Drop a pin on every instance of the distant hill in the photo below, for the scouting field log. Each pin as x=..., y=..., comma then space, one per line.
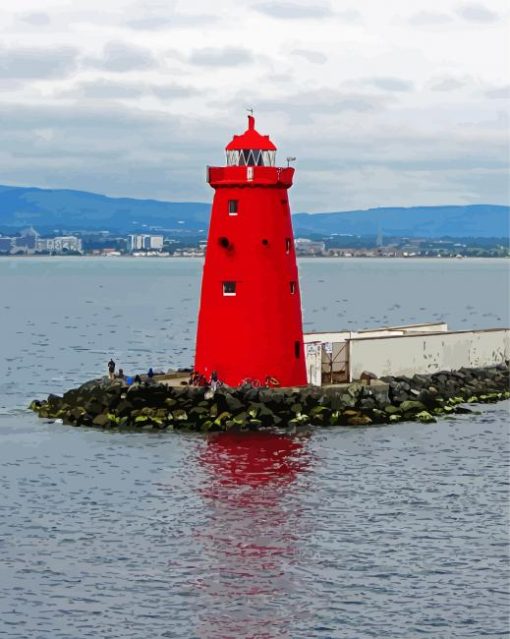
x=48, y=209
x=476, y=220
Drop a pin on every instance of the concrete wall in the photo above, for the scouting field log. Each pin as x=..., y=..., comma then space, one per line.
x=431, y=327
x=438, y=327
x=410, y=354
x=340, y=336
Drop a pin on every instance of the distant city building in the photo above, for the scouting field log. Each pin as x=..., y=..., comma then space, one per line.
x=25, y=242
x=6, y=244
x=305, y=246
x=27, y=239
x=60, y=244
x=142, y=242
x=379, y=239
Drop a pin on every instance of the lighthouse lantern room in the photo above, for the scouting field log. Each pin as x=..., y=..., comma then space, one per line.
x=249, y=322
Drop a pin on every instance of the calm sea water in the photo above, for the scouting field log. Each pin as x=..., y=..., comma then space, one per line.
x=393, y=531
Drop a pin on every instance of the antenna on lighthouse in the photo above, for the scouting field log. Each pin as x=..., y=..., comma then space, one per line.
x=250, y=110
x=289, y=160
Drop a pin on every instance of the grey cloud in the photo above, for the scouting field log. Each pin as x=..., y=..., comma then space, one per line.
x=475, y=12
x=121, y=57
x=140, y=152
x=447, y=83
x=279, y=79
x=302, y=107
x=107, y=89
x=221, y=57
x=125, y=130
x=154, y=15
x=316, y=57
x=175, y=21
x=37, y=63
x=389, y=84
x=349, y=16
x=293, y=10
x=38, y=18
x=499, y=92
x=164, y=91
x=429, y=18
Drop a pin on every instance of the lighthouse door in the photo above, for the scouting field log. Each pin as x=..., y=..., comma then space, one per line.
x=335, y=362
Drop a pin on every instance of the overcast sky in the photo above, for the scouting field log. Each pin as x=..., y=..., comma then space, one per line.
x=395, y=102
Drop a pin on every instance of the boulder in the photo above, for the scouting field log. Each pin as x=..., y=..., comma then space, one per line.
x=379, y=416
x=367, y=403
x=232, y=403
x=354, y=390
x=221, y=420
x=359, y=420
x=101, y=420
x=198, y=414
x=411, y=406
x=425, y=417
x=93, y=407
x=367, y=377
x=391, y=410
x=124, y=408
x=54, y=401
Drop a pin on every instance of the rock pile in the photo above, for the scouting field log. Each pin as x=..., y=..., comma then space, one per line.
x=112, y=404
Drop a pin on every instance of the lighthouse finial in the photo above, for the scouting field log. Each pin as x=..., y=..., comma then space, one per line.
x=251, y=119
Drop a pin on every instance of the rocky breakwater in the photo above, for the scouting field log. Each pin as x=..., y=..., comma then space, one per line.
x=112, y=404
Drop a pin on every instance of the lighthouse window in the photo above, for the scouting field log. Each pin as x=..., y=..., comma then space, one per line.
x=229, y=288
x=287, y=245
x=233, y=158
x=233, y=207
x=269, y=157
x=251, y=157
x=292, y=288
x=297, y=349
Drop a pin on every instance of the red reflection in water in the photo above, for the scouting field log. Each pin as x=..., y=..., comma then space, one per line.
x=251, y=543
x=253, y=459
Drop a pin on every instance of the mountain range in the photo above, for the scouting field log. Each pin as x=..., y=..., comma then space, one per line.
x=67, y=210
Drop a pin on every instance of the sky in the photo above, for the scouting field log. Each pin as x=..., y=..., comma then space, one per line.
x=394, y=103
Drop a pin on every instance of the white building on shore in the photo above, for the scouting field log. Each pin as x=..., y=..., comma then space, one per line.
x=142, y=242
x=59, y=244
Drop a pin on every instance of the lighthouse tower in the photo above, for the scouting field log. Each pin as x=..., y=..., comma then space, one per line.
x=249, y=323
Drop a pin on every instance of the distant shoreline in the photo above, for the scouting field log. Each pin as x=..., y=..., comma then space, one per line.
x=299, y=257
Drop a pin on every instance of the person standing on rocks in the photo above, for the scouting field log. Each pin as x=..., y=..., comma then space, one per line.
x=214, y=381
x=111, y=369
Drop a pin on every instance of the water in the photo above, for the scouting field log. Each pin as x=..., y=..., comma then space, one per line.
x=393, y=531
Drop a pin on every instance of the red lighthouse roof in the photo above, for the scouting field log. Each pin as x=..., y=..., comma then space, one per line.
x=250, y=139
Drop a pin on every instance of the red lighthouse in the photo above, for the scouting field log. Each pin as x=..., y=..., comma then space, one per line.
x=249, y=323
